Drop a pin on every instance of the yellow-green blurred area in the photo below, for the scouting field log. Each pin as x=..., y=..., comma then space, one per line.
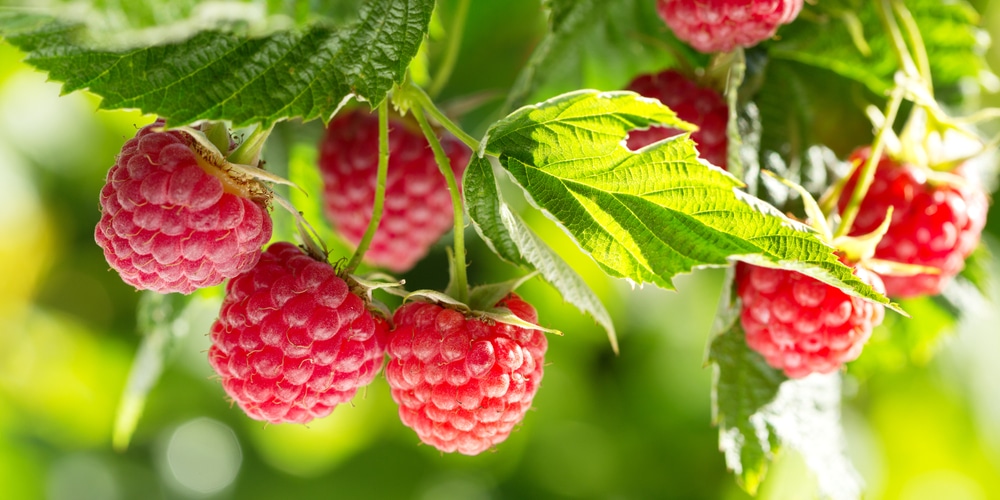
x=632, y=426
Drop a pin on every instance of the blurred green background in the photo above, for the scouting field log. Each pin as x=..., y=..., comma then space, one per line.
x=636, y=425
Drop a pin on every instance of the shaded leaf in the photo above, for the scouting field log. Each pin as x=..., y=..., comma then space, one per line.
x=225, y=75
x=596, y=44
x=948, y=29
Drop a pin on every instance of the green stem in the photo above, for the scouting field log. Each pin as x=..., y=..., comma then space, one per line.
x=424, y=102
x=461, y=279
x=909, y=67
x=451, y=53
x=916, y=42
x=249, y=152
x=867, y=175
x=380, y=180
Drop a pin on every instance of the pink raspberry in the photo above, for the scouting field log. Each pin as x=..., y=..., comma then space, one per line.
x=173, y=222
x=701, y=106
x=417, y=210
x=801, y=325
x=933, y=224
x=292, y=340
x=463, y=383
x=722, y=25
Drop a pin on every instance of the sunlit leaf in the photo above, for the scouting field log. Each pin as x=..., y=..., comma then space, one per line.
x=651, y=214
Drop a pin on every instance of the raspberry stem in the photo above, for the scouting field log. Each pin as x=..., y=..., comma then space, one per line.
x=380, y=181
x=461, y=280
x=868, y=169
x=451, y=54
x=424, y=101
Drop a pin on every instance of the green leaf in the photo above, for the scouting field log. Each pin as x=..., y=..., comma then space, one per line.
x=222, y=75
x=651, y=214
x=823, y=39
x=759, y=411
x=744, y=384
x=511, y=239
x=482, y=201
x=595, y=44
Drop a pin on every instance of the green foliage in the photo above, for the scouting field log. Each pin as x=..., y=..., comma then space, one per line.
x=596, y=44
x=824, y=39
x=225, y=75
x=648, y=215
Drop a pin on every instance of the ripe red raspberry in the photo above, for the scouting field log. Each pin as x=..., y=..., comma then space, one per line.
x=701, y=106
x=933, y=224
x=722, y=25
x=173, y=222
x=462, y=383
x=417, y=210
x=801, y=325
x=292, y=341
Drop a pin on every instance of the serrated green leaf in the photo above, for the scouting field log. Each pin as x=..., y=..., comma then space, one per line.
x=823, y=39
x=759, y=411
x=222, y=75
x=511, y=239
x=651, y=214
x=595, y=44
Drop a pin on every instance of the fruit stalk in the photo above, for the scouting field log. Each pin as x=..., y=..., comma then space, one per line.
x=380, y=182
x=451, y=54
x=868, y=170
x=423, y=101
x=444, y=164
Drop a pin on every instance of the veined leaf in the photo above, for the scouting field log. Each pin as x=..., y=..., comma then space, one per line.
x=651, y=214
x=512, y=239
x=223, y=75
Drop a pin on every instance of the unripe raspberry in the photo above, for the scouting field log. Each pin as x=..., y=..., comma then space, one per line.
x=723, y=25
x=173, y=222
x=463, y=383
x=292, y=340
x=417, y=209
x=933, y=224
x=701, y=106
x=802, y=325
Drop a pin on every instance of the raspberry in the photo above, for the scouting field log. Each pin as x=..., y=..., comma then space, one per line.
x=701, y=106
x=462, y=383
x=173, y=222
x=722, y=25
x=417, y=210
x=292, y=341
x=933, y=224
x=801, y=325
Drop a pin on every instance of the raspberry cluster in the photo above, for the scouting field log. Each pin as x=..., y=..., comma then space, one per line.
x=802, y=325
x=723, y=25
x=463, y=383
x=701, y=106
x=173, y=222
x=417, y=210
x=933, y=224
x=292, y=340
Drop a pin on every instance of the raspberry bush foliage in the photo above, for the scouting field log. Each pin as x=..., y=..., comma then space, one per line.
x=714, y=134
